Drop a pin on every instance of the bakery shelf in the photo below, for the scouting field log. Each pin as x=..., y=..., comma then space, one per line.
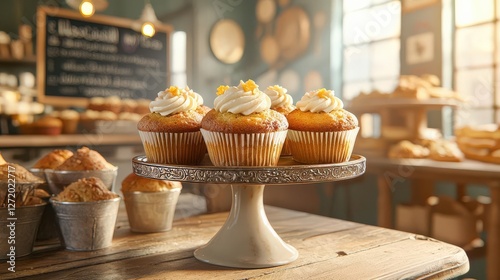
x=39, y=141
x=247, y=239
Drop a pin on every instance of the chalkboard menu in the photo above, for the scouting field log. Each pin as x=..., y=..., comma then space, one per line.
x=79, y=58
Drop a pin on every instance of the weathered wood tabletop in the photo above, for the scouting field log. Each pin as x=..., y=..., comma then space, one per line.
x=328, y=249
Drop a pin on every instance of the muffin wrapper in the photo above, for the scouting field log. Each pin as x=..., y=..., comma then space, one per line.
x=254, y=149
x=173, y=148
x=322, y=147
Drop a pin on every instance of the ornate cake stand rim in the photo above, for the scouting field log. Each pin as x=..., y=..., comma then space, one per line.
x=357, y=162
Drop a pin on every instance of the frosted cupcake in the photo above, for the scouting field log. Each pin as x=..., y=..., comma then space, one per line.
x=171, y=132
x=320, y=130
x=241, y=129
x=283, y=103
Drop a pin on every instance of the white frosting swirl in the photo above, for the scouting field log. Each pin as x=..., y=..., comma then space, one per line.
x=174, y=100
x=321, y=100
x=238, y=101
x=279, y=97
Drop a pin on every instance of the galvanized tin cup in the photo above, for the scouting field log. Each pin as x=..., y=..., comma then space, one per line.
x=87, y=226
x=23, y=230
x=151, y=211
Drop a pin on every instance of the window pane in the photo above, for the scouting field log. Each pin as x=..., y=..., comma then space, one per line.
x=354, y=27
x=474, y=46
x=179, y=80
x=376, y=2
x=350, y=5
x=179, y=51
x=352, y=90
x=476, y=87
x=384, y=58
x=469, y=12
x=356, y=63
x=379, y=22
x=385, y=21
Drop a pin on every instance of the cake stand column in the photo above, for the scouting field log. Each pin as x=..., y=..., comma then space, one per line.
x=247, y=239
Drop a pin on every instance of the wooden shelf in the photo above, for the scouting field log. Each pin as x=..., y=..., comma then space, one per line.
x=28, y=60
x=39, y=141
x=371, y=104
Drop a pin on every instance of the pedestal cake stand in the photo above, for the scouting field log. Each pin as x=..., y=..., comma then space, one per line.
x=247, y=240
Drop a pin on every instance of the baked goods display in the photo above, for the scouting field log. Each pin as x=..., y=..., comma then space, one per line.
x=135, y=183
x=387, y=118
x=85, y=159
x=410, y=87
x=320, y=129
x=241, y=129
x=171, y=132
x=406, y=149
x=480, y=142
x=85, y=190
x=53, y=159
x=443, y=150
x=47, y=125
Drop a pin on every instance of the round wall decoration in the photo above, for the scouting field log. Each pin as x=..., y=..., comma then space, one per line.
x=227, y=41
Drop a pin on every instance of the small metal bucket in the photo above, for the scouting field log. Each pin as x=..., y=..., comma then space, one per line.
x=151, y=211
x=87, y=226
x=22, y=231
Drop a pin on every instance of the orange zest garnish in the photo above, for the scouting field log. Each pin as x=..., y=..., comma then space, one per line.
x=221, y=89
x=174, y=90
x=275, y=88
x=323, y=93
x=249, y=85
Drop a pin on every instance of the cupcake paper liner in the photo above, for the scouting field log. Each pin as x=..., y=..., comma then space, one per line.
x=173, y=148
x=322, y=147
x=254, y=149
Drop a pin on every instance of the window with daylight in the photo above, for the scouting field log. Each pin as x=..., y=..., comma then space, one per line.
x=371, y=37
x=477, y=75
x=178, y=75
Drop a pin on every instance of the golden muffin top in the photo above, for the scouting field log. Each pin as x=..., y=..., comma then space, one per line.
x=86, y=190
x=135, y=183
x=53, y=159
x=321, y=110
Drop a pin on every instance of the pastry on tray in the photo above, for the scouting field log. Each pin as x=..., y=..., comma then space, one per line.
x=321, y=130
x=407, y=149
x=241, y=129
x=171, y=132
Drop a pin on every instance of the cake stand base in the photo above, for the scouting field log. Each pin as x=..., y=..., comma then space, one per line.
x=247, y=239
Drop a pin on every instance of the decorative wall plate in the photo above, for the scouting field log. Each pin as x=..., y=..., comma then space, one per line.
x=293, y=32
x=227, y=41
x=269, y=49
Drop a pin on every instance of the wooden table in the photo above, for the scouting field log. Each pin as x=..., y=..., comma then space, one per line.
x=328, y=249
x=424, y=173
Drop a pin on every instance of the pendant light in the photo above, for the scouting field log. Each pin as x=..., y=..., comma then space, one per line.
x=87, y=8
x=146, y=23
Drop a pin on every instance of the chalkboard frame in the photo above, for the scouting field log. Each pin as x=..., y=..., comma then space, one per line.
x=42, y=13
